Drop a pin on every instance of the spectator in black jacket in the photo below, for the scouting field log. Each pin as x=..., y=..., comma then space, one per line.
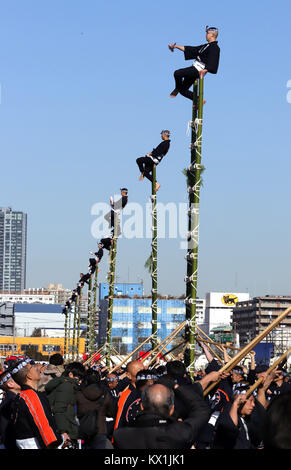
x=156, y=429
x=206, y=59
x=235, y=424
x=277, y=428
x=11, y=390
x=33, y=422
x=155, y=157
x=94, y=405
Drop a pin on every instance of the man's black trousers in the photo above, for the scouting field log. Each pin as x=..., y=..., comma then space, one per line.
x=184, y=78
x=146, y=165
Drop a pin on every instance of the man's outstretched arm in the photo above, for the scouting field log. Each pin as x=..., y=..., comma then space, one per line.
x=175, y=46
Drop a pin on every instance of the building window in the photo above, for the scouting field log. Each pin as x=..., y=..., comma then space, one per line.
x=122, y=324
x=127, y=339
x=51, y=348
x=29, y=347
x=148, y=310
x=172, y=325
x=122, y=309
x=8, y=347
x=176, y=311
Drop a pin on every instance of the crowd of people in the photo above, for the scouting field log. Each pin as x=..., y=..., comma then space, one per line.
x=80, y=406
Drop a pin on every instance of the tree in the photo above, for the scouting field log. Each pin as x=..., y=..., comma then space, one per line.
x=36, y=333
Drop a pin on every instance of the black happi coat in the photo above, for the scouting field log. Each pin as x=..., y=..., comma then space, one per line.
x=208, y=53
x=160, y=151
x=154, y=432
x=32, y=418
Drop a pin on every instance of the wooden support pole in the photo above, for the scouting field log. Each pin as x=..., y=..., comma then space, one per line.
x=199, y=338
x=131, y=354
x=165, y=342
x=79, y=322
x=154, y=257
x=244, y=351
x=273, y=367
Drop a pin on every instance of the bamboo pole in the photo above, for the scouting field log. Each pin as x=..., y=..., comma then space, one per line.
x=88, y=316
x=111, y=279
x=244, y=351
x=116, y=354
x=168, y=352
x=90, y=359
x=211, y=350
x=69, y=331
x=154, y=260
x=66, y=334
x=273, y=366
x=194, y=175
x=189, y=302
x=173, y=349
x=131, y=354
x=169, y=338
x=209, y=339
x=93, y=315
x=219, y=344
x=74, y=329
x=79, y=321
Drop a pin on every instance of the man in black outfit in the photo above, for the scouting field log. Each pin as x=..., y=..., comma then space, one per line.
x=98, y=254
x=106, y=243
x=112, y=216
x=155, y=157
x=154, y=427
x=11, y=390
x=206, y=59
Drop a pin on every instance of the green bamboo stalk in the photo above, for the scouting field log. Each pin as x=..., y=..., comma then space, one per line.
x=194, y=182
x=66, y=334
x=111, y=280
x=69, y=332
x=154, y=261
x=111, y=276
x=79, y=322
x=93, y=315
x=88, y=316
x=75, y=329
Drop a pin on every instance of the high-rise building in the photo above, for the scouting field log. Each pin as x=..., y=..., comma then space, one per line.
x=13, y=230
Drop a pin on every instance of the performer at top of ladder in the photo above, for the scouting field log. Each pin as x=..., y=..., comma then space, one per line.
x=155, y=157
x=206, y=59
x=98, y=254
x=116, y=207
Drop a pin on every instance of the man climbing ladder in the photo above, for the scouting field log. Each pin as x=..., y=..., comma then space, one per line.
x=206, y=59
x=155, y=157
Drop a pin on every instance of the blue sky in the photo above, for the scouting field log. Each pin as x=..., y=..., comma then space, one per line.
x=84, y=92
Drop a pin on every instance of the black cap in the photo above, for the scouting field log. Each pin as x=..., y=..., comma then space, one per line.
x=124, y=189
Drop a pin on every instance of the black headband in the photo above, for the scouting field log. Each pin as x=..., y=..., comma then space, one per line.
x=4, y=378
x=212, y=28
x=21, y=365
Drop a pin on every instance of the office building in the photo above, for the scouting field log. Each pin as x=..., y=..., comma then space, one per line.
x=132, y=319
x=219, y=307
x=253, y=316
x=13, y=234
